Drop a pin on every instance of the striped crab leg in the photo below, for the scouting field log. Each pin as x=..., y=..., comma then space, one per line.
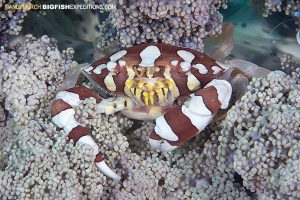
x=192, y=117
x=62, y=113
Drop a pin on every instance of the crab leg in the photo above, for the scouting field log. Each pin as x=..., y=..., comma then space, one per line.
x=62, y=113
x=192, y=117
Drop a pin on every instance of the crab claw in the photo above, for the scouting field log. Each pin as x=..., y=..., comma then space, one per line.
x=182, y=123
x=103, y=167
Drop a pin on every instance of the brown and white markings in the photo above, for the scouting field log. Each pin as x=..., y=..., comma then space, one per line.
x=191, y=117
x=145, y=82
x=62, y=113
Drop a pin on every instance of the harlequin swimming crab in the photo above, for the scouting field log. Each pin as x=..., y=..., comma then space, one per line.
x=181, y=88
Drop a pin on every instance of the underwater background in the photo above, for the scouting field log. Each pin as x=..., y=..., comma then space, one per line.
x=252, y=153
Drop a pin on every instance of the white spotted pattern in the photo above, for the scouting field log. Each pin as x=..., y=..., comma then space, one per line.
x=202, y=69
x=149, y=55
x=185, y=66
x=111, y=65
x=186, y=56
x=99, y=68
x=118, y=55
x=216, y=69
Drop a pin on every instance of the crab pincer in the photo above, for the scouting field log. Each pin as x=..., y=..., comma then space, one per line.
x=184, y=122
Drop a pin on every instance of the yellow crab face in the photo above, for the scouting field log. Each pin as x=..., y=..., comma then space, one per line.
x=147, y=90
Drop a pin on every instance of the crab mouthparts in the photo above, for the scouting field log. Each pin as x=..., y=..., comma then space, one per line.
x=151, y=91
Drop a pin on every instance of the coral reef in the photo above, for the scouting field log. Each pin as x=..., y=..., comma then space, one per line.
x=290, y=7
x=260, y=137
x=289, y=66
x=171, y=22
x=252, y=152
x=2, y=114
x=42, y=165
x=31, y=74
x=11, y=19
